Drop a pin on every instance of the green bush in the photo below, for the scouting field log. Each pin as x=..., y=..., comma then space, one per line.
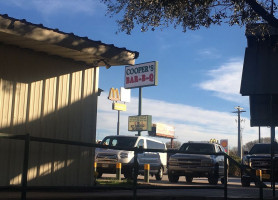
x=233, y=169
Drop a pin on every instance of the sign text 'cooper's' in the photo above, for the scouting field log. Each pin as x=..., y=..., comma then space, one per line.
x=141, y=75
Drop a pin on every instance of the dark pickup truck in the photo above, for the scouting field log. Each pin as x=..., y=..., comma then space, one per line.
x=199, y=164
x=259, y=159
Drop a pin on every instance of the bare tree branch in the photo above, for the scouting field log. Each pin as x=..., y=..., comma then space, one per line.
x=272, y=21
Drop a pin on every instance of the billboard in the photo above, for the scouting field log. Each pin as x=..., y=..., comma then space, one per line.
x=162, y=130
x=141, y=75
x=140, y=123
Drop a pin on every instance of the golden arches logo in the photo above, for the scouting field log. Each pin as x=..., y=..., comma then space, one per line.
x=114, y=94
x=213, y=141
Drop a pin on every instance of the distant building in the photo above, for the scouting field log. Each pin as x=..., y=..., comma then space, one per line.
x=49, y=88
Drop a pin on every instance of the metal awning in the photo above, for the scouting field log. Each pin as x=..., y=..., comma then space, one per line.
x=67, y=45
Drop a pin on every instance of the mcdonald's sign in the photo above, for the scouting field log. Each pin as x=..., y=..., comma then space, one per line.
x=114, y=94
x=213, y=141
x=119, y=106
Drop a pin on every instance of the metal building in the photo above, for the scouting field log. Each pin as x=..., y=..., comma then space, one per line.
x=49, y=88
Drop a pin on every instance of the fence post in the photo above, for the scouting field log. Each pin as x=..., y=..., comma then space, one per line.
x=25, y=167
x=118, y=171
x=135, y=171
x=147, y=173
x=95, y=166
x=225, y=177
x=260, y=174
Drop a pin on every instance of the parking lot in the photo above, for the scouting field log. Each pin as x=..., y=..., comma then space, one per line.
x=232, y=181
x=235, y=190
x=186, y=191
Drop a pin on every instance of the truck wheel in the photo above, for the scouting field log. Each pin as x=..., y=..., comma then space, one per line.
x=173, y=178
x=257, y=184
x=213, y=180
x=159, y=174
x=99, y=174
x=129, y=174
x=189, y=179
x=245, y=182
x=223, y=179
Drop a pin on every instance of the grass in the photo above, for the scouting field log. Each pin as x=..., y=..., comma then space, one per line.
x=114, y=182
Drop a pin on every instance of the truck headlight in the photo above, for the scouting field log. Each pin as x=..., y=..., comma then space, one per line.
x=245, y=161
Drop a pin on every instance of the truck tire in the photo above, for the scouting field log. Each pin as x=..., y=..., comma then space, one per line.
x=245, y=182
x=213, y=178
x=159, y=174
x=99, y=174
x=173, y=178
x=129, y=174
x=189, y=179
x=223, y=178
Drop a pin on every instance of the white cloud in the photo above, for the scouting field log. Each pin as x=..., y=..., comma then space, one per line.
x=191, y=123
x=225, y=81
x=210, y=53
x=50, y=7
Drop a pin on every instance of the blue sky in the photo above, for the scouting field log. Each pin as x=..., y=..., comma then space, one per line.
x=199, y=72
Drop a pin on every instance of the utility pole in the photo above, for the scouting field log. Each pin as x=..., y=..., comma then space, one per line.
x=239, y=147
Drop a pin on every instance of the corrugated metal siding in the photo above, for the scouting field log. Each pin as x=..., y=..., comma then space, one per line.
x=63, y=107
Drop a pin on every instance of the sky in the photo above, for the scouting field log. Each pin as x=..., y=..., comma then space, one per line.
x=199, y=72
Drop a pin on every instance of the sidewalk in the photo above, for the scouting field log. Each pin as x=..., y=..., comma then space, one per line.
x=179, y=191
x=144, y=194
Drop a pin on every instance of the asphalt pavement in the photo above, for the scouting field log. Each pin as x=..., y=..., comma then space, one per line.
x=181, y=190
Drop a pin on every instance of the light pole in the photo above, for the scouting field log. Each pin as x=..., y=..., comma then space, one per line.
x=239, y=147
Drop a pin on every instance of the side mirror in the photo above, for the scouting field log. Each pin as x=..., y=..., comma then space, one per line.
x=245, y=152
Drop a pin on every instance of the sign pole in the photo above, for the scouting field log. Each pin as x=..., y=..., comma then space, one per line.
x=118, y=124
x=140, y=106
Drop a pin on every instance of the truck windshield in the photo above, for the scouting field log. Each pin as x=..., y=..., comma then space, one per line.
x=263, y=149
x=119, y=141
x=197, y=148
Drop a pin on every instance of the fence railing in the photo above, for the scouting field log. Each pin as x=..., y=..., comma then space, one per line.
x=24, y=188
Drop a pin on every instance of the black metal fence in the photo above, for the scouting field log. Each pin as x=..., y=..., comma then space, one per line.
x=24, y=188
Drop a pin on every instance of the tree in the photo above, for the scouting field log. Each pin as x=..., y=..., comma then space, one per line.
x=190, y=14
x=176, y=144
x=249, y=145
x=233, y=151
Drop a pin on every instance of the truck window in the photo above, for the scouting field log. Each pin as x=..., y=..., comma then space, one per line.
x=119, y=141
x=197, y=148
x=218, y=149
x=154, y=145
x=263, y=149
x=140, y=143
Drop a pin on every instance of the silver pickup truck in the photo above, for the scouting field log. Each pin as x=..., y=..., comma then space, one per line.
x=197, y=165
